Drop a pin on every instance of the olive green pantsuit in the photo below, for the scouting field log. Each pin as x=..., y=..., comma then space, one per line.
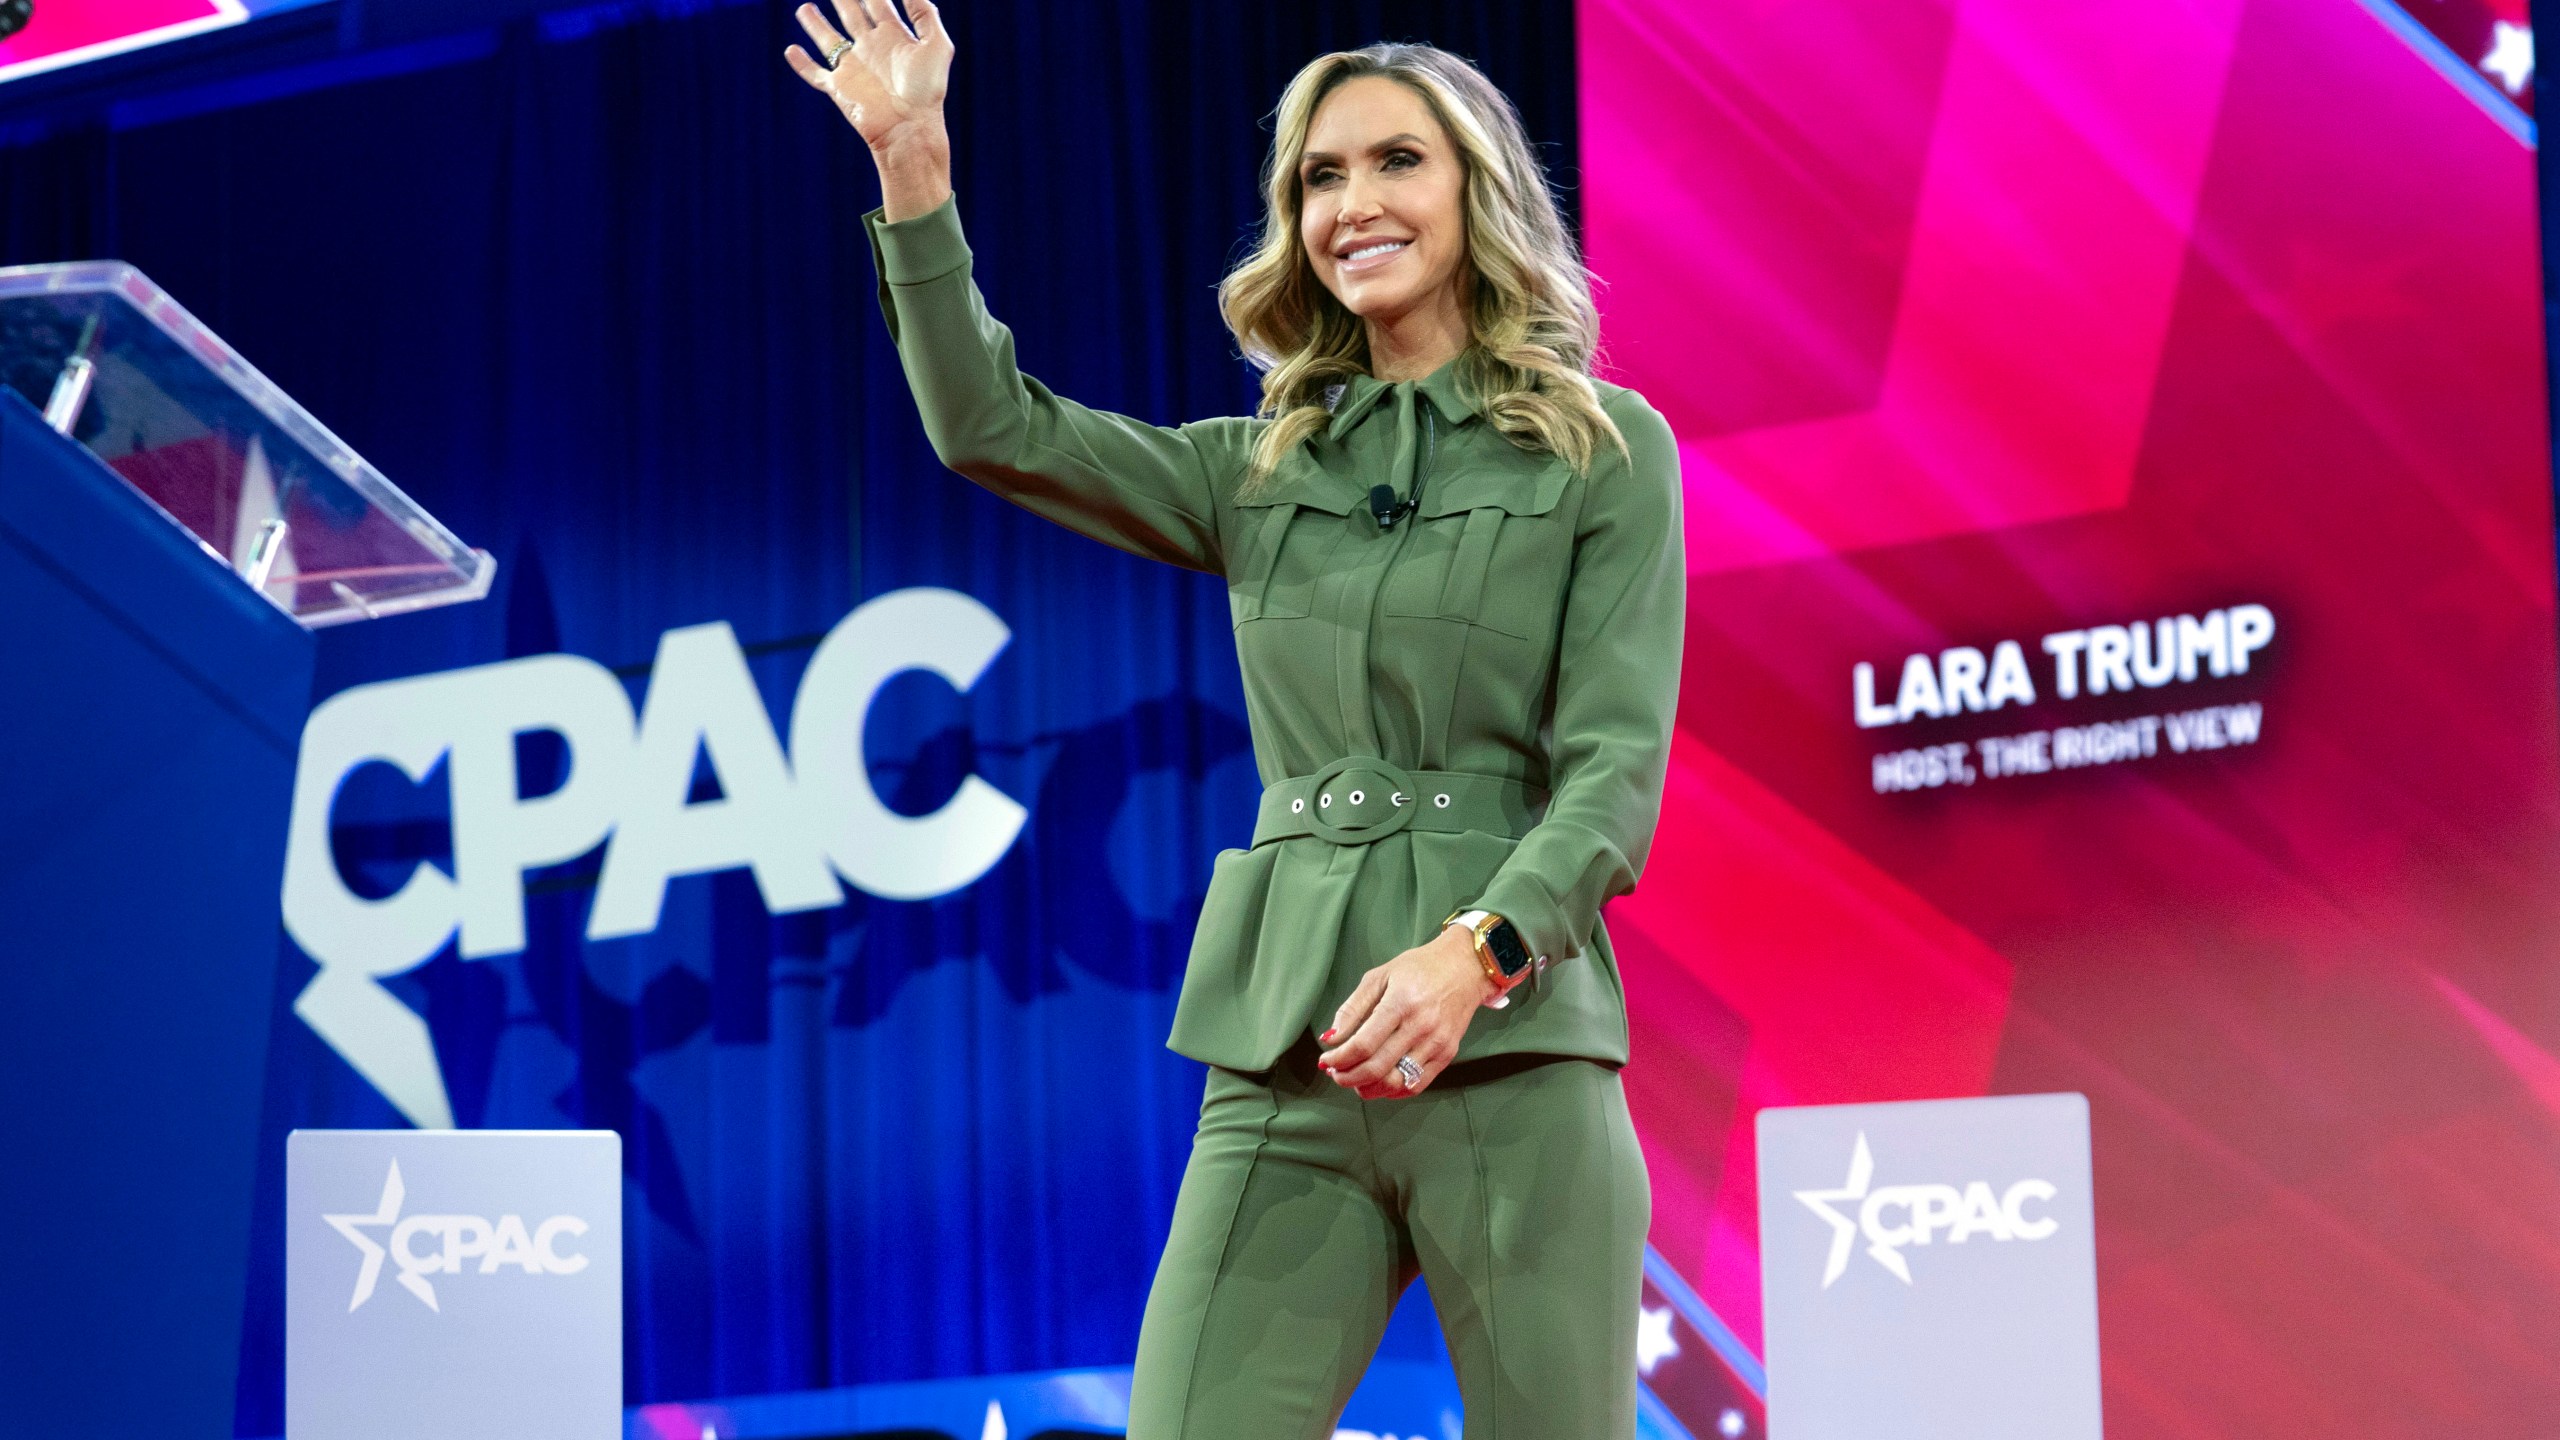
x=1517, y=1195
x=1469, y=709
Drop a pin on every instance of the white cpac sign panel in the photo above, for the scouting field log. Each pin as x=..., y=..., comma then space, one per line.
x=805, y=824
x=447, y=1283
x=1928, y=1270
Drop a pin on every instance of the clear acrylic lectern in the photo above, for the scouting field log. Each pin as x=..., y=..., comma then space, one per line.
x=171, y=527
x=117, y=365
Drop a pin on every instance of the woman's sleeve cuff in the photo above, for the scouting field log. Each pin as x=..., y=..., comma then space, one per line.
x=911, y=252
x=1533, y=916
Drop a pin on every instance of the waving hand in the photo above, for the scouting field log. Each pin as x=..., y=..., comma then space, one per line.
x=889, y=80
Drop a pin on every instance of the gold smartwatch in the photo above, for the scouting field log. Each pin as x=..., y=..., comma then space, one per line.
x=1506, y=961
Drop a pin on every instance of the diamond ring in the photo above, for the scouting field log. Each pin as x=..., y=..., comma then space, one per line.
x=1408, y=1072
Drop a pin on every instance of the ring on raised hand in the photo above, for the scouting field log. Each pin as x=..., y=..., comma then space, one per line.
x=836, y=51
x=1408, y=1072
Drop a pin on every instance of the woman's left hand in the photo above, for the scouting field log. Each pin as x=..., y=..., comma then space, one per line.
x=1417, y=1004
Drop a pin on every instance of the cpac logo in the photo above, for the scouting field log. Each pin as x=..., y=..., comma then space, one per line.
x=459, y=1238
x=1920, y=1210
x=798, y=823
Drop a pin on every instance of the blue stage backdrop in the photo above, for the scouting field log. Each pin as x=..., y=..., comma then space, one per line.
x=591, y=284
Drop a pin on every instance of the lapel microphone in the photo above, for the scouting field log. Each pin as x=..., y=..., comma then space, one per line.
x=1386, y=508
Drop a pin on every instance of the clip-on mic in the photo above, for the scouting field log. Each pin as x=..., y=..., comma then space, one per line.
x=1386, y=508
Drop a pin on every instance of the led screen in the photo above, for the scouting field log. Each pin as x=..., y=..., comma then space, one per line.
x=70, y=32
x=2120, y=653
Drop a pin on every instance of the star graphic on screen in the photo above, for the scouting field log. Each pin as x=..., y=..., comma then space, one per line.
x=2510, y=56
x=1844, y=1228
x=386, y=1213
x=1654, y=1340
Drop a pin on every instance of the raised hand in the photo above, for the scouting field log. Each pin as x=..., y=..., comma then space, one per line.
x=884, y=77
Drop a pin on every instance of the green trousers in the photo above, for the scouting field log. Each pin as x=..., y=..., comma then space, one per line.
x=1513, y=1187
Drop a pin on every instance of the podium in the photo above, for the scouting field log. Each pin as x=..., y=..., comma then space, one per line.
x=172, y=526
x=1929, y=1270
x=444, y=1283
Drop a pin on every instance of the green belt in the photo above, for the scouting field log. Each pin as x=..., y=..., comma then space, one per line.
x=1358, y=800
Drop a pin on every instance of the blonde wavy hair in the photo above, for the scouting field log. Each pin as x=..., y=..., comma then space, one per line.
x=1534, y=329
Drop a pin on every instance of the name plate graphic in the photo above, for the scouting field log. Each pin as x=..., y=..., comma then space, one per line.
x=1928, y=1269
x=453, y=1282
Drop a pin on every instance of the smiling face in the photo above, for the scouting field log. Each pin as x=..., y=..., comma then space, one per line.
x=1382, y=192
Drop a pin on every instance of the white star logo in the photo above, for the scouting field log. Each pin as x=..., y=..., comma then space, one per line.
x=1844, y=1229
x=1654, y=1340
x=386, y=1213
x=2510, y=56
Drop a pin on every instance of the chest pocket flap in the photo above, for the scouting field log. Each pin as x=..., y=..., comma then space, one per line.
x=1531, y=556
x=1263, y=522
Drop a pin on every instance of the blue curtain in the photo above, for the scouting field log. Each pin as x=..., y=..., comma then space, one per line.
x=591, y=285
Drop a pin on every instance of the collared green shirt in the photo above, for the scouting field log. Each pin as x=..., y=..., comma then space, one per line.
x=1523, y=624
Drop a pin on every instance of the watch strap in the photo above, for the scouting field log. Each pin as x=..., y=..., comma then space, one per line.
x=1479, y=925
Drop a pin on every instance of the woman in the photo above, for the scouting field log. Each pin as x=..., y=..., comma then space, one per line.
x=1454, y=565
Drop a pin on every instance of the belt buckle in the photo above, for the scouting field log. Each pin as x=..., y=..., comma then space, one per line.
x=1401, y=793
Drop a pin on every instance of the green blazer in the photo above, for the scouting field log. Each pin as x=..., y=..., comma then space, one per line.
x=1472, y=708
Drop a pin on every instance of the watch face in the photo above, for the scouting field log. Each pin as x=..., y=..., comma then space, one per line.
x=1503, y=943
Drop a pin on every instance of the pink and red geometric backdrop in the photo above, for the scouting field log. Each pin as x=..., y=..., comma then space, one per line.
x=1988, y=320
x=70, y=32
